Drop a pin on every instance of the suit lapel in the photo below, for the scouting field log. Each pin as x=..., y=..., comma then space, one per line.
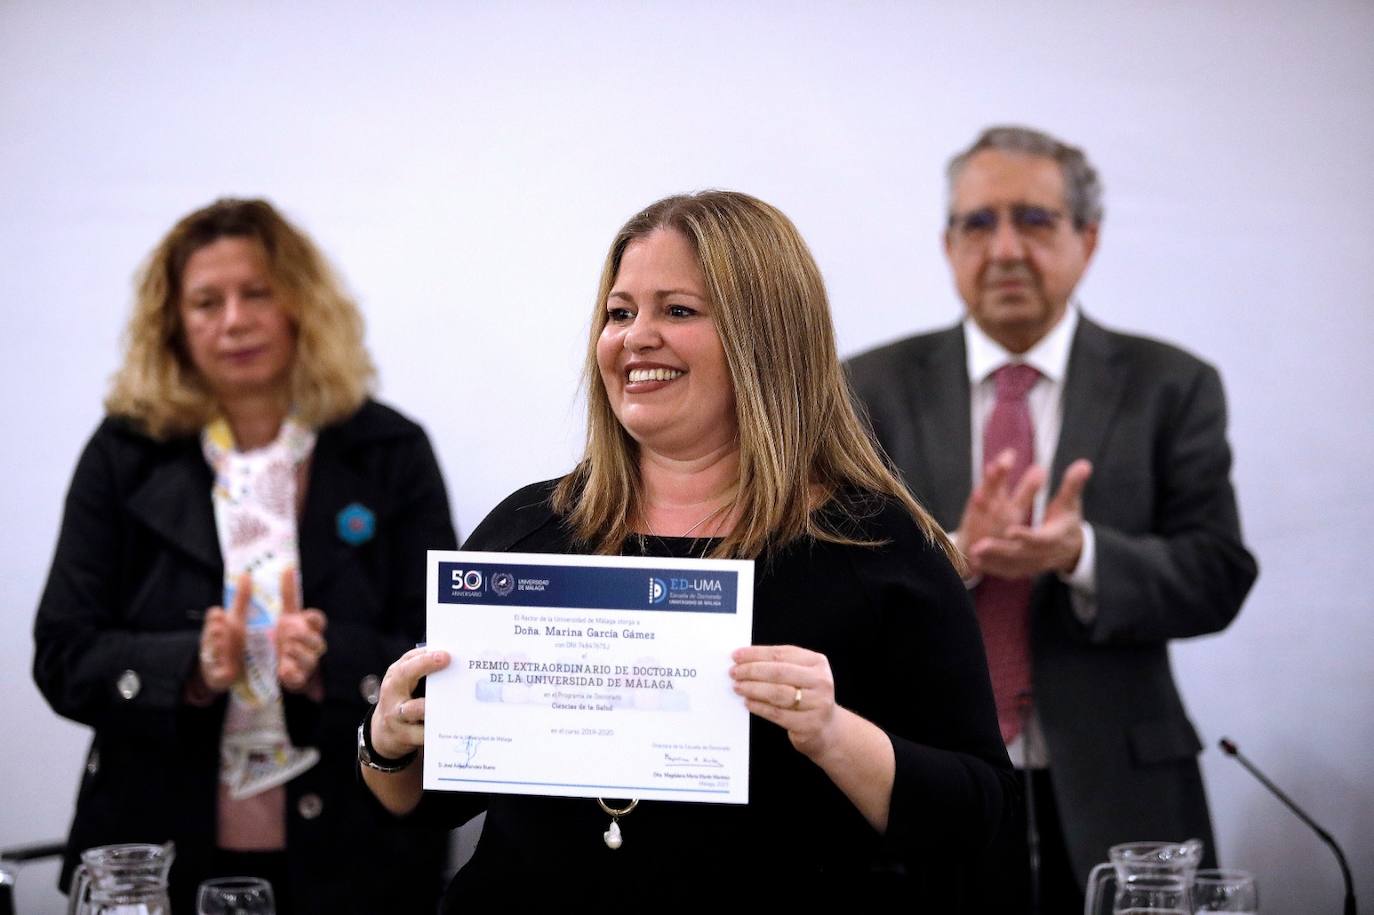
x=1092, y=394
x=939, y=392
x=174, y=503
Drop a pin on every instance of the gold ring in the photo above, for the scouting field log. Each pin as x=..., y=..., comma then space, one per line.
x=796, y=700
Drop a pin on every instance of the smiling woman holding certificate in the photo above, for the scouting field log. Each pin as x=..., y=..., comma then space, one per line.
x=720, y=426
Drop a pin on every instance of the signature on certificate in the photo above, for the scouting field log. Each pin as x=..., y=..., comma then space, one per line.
x=691, y=762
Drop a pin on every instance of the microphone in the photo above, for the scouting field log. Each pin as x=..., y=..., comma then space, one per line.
x=1230, y=749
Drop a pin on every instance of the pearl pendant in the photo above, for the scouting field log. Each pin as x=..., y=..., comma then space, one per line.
x=612, y=836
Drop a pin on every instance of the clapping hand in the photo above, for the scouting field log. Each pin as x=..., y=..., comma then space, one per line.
x=300, y=637
x=995, y=505
x=1021, y=551
x=222, y=639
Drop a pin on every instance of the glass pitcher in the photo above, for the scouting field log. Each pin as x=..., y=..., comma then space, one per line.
x=122, y=880
x=1154, y=877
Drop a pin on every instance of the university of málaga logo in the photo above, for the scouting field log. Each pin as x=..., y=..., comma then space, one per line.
x=503, y=583
x=658, y=591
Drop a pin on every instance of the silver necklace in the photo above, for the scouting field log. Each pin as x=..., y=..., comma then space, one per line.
x=715, y=511
x=704, y=518
x=612, y=836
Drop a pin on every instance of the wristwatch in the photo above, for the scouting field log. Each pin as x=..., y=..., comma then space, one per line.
x=368, y=755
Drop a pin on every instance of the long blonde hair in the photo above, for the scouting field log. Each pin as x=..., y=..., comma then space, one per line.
x=159, y=388
x=798, y=432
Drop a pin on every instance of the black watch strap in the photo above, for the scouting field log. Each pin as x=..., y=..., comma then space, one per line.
x=368, y=755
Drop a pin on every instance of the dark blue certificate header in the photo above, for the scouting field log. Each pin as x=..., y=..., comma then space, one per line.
x=591, y=587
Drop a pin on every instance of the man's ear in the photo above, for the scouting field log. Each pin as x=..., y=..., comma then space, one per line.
x=1089, y=235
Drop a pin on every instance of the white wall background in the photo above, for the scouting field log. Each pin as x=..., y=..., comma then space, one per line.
x=465, y=165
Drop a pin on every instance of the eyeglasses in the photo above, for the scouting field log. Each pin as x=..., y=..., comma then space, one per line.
x=1034, y=223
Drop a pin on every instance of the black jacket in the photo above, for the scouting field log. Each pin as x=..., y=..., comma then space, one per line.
x=896, y=627
x=117, y=632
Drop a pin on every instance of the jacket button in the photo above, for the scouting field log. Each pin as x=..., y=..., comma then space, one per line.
x=370, y=686
x=309, y=806
x=128, y=684
x=93, y=763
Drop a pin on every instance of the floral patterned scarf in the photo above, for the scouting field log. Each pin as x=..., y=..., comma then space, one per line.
x=255, y=516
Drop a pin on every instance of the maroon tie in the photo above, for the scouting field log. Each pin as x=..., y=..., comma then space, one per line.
x=1004, y=604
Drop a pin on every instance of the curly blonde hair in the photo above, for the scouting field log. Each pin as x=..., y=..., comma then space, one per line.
x=159, y=388
x=798, y=432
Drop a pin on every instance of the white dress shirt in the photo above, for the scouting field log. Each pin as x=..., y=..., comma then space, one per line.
x=1045, y=400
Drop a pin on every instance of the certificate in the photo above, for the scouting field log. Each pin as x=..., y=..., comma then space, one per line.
x=588, y=676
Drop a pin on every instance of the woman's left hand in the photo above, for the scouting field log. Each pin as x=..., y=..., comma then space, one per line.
x=300, y=637
x=791, y=687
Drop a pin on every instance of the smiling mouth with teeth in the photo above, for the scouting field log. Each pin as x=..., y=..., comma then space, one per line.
x=654, y=375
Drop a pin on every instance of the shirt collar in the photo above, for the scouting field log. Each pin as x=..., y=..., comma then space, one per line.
x=1049, y=356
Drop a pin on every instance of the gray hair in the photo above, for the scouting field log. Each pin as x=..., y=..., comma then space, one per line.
x=1082, y=189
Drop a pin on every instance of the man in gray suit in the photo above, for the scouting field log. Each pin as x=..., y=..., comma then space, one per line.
x=1085, y=474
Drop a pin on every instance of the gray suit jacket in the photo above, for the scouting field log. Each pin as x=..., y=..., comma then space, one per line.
x=1170, y=561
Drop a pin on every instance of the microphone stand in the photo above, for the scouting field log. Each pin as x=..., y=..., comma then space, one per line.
x=1230, y=749
x=1032, y=827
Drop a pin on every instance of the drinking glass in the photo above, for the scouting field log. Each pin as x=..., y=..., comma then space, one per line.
x=235, y=896
x=1152, y=895
x=1225, y=890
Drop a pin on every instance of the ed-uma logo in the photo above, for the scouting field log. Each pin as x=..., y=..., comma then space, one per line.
x=658, y=591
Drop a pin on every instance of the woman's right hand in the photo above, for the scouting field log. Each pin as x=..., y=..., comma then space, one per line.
x=222, y=639
x=398, y=723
